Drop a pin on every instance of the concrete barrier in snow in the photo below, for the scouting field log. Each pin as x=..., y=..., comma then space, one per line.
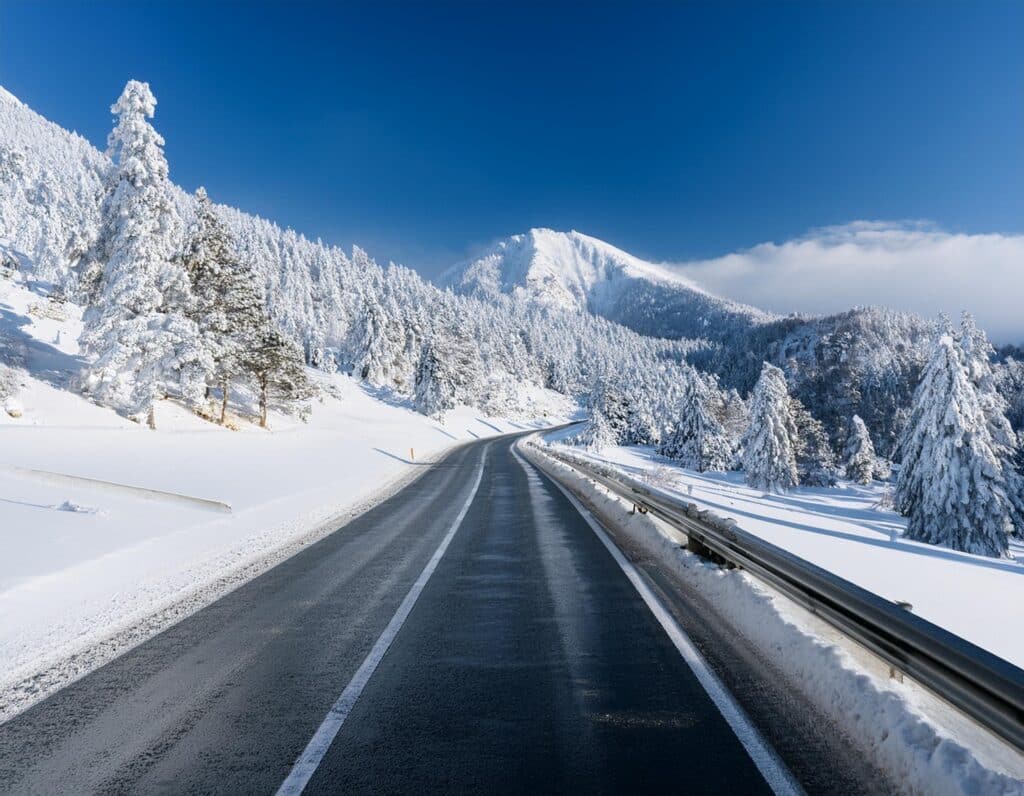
x=143, y=493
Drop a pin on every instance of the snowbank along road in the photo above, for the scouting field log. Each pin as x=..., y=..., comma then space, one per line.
x=473, y=633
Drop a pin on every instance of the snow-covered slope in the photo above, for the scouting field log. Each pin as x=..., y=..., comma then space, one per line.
x=573, y=271
x=341, y=308
x=50, y=183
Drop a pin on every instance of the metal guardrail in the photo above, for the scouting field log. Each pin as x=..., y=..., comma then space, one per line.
x=985, y=687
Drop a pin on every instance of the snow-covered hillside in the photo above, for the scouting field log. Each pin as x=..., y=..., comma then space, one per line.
x=50, y=183
x=341, y=308
x=573, y=271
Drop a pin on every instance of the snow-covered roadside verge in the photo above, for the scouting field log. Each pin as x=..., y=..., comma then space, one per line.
x=905, y=731
x=81, y=642
x=33, y=681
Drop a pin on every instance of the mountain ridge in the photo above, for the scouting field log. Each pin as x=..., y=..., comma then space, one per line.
x=575, y=271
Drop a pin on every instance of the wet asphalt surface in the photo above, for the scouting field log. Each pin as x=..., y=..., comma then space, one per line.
x=528, y=664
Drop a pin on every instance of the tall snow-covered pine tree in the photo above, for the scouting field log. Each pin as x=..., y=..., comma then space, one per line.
x=815, y=461
x=598, y=433
x=769, y=449
x=435, y=389
x=141, y=344
x=228, y=305
x=978, y=354
x=859, y=453
x=698, y=441
x=951, y=485
x=276, y=365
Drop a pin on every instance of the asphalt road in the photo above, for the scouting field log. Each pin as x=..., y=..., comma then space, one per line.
x=527, y=663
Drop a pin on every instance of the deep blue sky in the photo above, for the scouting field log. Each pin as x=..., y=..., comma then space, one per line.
x=673, y=130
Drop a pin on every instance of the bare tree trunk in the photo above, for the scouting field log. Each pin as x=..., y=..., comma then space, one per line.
x=224, y=401
x=151, y=417
x=263, y=403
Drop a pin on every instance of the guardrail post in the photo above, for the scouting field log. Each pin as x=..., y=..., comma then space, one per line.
x=697, y=547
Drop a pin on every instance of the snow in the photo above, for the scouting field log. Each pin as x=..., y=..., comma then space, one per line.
x=564, y=269
x=83, y=562
x=843, y=530
x=769, y=460
x=7, y=96
x=923, y=744
x=954, y=477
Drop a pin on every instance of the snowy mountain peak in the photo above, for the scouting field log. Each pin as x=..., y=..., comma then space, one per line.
x=8, y=97
x=557, y=268
x=577, y=272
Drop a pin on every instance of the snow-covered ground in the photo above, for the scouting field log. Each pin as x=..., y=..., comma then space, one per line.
x=844, y=530
x=81, y=562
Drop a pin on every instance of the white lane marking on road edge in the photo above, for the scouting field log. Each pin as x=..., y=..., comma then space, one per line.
x=768, y=762
x=305, y=766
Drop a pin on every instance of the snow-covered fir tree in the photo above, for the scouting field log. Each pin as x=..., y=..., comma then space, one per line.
x=698, y=440
x=434, y=383
x=275, y=364
x=978, y=353
x=951, y=485
x=607, y=400
x=597, y=434
x=381, y=351
x=141, y=345
x=731, y=412
x=815, y=460
x=859, y=453
x=370, y=363
x=228, y=305
x=642, y=427
x=448, y=372
x=769, y=447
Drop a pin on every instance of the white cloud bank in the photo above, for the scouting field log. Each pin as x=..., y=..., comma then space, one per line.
x=911, y=266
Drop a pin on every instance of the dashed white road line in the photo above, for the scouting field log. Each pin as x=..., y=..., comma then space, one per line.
x=307, y=763
x=768, y=762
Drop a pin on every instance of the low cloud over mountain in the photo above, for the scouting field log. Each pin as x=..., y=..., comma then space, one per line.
x=911, y=266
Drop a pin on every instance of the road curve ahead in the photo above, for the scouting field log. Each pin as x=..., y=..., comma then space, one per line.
x=484, y=638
